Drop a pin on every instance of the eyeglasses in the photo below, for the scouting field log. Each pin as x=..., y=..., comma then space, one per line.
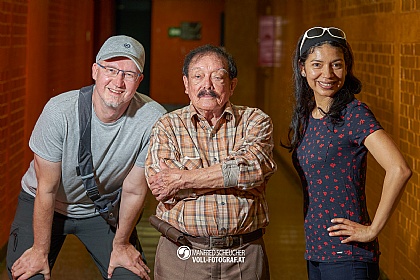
x=128, y=76
x=218, y=76
x=316, y=32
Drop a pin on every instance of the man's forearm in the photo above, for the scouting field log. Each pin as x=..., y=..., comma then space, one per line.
x=42, y=221
x=209, y=177
x=130, y=210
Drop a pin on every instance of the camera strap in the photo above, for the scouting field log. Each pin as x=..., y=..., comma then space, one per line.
x=85, y=168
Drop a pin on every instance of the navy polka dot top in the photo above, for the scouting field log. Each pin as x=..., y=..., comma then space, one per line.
x=332, y=161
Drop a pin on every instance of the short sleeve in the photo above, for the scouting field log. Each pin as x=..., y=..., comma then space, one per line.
x=141, y=158
x=48, y=134
x=361, y=122
x=152, y=112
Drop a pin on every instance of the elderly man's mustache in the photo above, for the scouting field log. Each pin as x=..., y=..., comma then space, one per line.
x=204, y=92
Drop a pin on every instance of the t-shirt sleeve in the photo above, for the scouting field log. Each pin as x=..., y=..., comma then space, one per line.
x=141, y=157
x=156, y=111
x=362, y=122
x=47, y=136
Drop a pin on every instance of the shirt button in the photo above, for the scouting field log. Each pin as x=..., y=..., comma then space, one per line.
x=223, y=203
x=215, y=159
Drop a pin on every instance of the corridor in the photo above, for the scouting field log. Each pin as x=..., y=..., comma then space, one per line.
x=284, y=236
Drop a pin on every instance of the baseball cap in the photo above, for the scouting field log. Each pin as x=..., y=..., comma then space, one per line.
x=125, y=46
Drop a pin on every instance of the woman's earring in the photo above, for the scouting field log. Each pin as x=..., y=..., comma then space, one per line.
x=303, y=74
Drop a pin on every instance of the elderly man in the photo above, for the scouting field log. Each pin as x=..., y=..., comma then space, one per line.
x=54, y=202
x=208, y=166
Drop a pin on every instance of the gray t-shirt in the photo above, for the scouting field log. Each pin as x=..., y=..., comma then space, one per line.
x=116, y=147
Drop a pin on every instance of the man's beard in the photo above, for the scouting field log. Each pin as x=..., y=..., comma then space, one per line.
x=113, y=103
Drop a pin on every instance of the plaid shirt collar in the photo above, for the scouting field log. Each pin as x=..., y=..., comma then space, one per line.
x=228, y=113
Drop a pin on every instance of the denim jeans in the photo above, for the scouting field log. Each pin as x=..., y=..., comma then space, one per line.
x=345, y=270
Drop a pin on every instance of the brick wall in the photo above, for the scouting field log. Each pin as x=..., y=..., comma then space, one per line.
x=13, y=18
x=46, y=48
x=407, y=249
x=384, y=35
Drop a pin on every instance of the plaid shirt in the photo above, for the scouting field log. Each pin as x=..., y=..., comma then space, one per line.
x=242, y=136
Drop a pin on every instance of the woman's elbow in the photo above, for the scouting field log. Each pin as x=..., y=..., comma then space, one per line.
x=408, y=172
x=404, y=172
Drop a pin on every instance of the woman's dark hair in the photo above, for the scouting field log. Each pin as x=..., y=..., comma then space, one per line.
x=304, y=96
x=206, y=49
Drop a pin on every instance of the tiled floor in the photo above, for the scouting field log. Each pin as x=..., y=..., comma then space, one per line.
x=284, y=236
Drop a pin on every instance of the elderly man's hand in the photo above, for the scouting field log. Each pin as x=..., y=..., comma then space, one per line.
x=166, y=183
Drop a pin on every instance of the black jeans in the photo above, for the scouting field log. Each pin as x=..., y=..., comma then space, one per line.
x=93, y=232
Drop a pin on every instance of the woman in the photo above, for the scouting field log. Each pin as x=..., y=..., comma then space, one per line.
x=330, y=135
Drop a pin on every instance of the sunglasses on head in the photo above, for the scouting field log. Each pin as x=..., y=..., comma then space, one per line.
x=316, y=32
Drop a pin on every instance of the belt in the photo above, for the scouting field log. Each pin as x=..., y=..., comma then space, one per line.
x=226, y=241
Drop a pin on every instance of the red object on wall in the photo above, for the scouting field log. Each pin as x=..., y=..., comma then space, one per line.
x=266, y=41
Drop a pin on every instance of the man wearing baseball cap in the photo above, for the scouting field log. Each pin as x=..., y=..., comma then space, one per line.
x=54, y=200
